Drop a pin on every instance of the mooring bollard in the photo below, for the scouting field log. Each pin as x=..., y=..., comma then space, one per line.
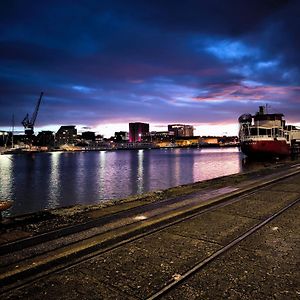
x=4, y=205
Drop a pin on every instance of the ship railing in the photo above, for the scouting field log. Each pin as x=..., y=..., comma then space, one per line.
x=259, y=137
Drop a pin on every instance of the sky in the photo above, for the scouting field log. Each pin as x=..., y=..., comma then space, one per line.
x=103, y=64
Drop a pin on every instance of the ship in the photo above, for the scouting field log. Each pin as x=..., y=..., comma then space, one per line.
x=267, y=135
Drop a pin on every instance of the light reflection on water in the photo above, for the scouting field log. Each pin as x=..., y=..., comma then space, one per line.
x=140, y=179
x=49, y=180
x=54, y=181
x=6, y=180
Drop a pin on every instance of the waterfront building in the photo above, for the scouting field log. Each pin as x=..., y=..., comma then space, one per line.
x=228, y=141
x=5, y=137
x=121, y=136
x=23, y=139
x=181, y=130
x=88, y=136
x=99, y=138
x=137, y=130
x=209, y=140
x=187, y=141
x=45, y=138
x=160, y=138
x=66, y=135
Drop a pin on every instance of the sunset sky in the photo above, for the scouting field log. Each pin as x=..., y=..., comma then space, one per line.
x=103, y=64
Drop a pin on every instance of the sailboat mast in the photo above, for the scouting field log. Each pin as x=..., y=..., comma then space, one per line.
x=12, y=131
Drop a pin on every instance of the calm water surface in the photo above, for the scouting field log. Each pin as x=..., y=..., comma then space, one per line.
x=48, y=180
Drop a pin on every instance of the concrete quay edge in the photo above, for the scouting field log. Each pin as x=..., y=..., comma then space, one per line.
x=134, y=231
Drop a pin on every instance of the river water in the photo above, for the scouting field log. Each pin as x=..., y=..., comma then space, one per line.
x=48, y=180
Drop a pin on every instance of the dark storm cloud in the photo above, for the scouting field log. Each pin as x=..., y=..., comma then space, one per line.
x=160, y=61
x=231, y=17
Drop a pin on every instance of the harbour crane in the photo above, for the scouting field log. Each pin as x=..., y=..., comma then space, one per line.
x=29, y=123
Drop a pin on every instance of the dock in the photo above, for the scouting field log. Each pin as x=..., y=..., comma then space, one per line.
x=235, y=237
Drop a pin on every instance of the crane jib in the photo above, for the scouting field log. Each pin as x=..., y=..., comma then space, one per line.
x=29, y=123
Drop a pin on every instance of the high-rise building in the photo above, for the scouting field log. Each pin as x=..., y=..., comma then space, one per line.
x=66, y=135
x=137, y=131
x=181, y=130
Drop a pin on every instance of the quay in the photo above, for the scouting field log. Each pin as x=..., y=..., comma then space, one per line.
x=235, y=237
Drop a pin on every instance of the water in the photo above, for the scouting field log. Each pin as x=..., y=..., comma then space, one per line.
x=48, y=180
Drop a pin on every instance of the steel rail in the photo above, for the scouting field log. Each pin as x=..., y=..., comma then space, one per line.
x=171, y=286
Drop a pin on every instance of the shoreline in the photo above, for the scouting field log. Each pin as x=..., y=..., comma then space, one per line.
x=27, y=151
x=46, y=220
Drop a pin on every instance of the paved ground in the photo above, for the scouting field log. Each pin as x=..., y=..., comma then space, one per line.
x=264, y=266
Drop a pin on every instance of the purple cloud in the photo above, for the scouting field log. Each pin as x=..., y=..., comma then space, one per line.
x=106, y=62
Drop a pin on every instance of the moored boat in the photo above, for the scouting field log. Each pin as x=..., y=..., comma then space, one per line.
x=266, y=135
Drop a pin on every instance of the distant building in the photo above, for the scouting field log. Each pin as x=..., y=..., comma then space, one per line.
x=66, y=135
x=137, y=131
x=181, y=130
x=209, y=140
x=187, y=141
x=159, y=137
x=5, y=138
x=88, y=136
x=45, y=138
x=228, y=141
x=23, y=139
x=121, y=136
x=99, y=138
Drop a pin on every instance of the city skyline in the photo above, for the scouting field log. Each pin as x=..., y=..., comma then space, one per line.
x=104, y=65
x=109, y=131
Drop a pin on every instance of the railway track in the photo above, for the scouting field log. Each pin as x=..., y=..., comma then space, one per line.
x=27, y=260
x=200, y=265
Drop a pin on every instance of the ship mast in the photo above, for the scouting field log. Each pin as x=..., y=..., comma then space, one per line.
x=12, y=130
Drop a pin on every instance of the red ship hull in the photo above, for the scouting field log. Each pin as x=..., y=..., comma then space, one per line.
x=265, y=148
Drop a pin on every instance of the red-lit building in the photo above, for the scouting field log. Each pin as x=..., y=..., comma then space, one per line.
x=137, y=131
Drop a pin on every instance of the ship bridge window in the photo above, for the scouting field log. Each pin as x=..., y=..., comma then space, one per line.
x=253, y=131
x=263, y=131
x=275, y=131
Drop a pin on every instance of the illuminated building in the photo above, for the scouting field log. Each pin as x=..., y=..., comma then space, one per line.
x=181, y=130
x=66, y=135
x=137, y=131
x=4, y=137
x=187, y=141
x=121, y=136
x=159, y=138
